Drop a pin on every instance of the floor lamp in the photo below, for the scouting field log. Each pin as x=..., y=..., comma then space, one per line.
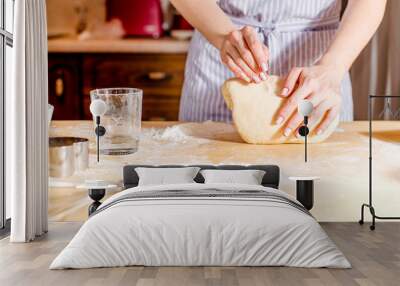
x=370, y=205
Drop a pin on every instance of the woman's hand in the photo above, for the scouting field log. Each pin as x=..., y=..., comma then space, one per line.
x=321, y=85
x=244, y=54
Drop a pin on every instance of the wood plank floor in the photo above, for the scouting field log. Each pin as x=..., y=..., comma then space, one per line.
x=375, y=257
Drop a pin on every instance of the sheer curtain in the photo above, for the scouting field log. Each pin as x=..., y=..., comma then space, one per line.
x=27, y=129
x=377, y=69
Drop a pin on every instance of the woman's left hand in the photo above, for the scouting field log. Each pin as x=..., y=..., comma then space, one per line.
x=319, y=84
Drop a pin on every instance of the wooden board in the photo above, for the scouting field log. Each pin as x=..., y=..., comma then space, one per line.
x=341, y=162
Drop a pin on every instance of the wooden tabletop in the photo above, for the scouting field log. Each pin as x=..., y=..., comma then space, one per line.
x=341, y=162
x=133, y=45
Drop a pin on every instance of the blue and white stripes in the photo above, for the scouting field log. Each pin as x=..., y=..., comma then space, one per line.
x=297, y=33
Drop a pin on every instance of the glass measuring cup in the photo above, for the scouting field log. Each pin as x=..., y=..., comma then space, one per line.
x=122, y=119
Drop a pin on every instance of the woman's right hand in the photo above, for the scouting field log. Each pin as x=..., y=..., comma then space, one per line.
x=244, y=54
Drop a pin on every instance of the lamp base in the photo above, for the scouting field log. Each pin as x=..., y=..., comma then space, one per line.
x=96, y=195
x=304, y=131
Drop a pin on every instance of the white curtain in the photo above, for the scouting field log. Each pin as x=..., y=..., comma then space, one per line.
x=27, y=127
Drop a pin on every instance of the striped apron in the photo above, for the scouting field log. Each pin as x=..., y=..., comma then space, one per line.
x=297, y=33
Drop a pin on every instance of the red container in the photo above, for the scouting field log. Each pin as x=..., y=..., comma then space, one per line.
x=180, y=23
x=139, y=17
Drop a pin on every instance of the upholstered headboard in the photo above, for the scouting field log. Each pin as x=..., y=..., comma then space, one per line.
x=271, y=177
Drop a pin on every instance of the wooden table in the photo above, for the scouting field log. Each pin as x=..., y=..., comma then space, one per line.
x=341, y=162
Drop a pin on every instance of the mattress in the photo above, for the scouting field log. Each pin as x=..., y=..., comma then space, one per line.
x=201, y=225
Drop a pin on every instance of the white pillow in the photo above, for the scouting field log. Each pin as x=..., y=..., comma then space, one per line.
x=165, y=176
x=248, y=177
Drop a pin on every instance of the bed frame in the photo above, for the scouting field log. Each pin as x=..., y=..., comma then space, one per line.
x=131, y=178
x=270, y=179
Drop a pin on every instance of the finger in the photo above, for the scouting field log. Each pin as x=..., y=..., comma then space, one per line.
x=266, y=52
x=290, y=82
x=293, y=124
x=255, y=46
x=247, y=70
x=291, y=104
x=230, y=63
x=234, y=54
x=328, y=119
x=317, y=113
x=237, y=40
x=316, y=98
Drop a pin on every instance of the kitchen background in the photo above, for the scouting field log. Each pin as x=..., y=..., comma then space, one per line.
x=146, y=48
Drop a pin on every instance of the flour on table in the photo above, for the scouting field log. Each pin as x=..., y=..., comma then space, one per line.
x=175, y=134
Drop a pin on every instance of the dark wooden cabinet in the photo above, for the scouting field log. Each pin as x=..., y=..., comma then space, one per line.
x=73, y=76
x=65, y=75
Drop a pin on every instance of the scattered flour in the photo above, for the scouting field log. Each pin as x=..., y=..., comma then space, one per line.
x=172, y=134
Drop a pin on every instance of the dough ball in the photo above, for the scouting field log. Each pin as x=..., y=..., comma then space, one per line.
x=254, y=110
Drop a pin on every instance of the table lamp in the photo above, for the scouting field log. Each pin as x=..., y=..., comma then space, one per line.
x=97, y=190
x=305, y=108
x=98, y=108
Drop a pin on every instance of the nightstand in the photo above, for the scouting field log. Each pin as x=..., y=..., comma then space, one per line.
x=305, y=190
x=96, y=191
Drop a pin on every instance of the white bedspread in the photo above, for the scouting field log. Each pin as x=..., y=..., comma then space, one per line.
x=223, y=231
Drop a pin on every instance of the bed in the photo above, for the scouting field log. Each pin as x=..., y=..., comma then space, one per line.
x=201, y=224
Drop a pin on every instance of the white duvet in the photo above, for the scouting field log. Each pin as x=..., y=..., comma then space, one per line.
x=188, y=231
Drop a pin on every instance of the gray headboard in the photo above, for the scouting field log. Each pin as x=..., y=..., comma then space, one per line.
x=271, y=178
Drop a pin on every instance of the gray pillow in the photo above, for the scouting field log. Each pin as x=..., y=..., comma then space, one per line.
x=166, y=176
x=247, y=177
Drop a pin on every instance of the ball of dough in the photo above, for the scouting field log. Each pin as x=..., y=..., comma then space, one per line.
x=254, y=110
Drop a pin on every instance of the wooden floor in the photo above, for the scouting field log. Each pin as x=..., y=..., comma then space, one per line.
x=375, y=257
